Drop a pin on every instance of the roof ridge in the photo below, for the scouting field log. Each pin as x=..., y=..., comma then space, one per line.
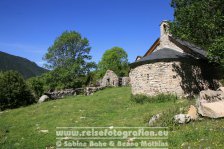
x=194, y=49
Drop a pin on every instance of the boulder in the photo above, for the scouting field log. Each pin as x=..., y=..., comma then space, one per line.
x=192, y=112
x=43, y=98
x=221, y=89
x=211, y=103
x=212, y=110
x=182, y=118
x=211, y=96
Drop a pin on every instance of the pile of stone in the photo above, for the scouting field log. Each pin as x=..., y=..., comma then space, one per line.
x=91, y=90
x=58, y=94
x=52, y=95
x=61, y=94
x=209, y=104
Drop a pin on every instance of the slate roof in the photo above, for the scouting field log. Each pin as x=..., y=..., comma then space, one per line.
x=190, y=51
x=193, y=47
x=164, y=53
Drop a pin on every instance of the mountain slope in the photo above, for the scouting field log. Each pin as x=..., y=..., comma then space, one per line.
x=26, y=67
x=21, y=128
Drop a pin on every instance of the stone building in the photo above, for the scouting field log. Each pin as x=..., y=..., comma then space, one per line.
x=124, y=81
x=110, y=79
x=172, y=66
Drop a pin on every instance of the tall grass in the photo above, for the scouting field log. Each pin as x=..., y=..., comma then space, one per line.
x=141, y=99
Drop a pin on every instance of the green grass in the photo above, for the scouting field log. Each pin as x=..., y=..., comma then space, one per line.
x=19, y=128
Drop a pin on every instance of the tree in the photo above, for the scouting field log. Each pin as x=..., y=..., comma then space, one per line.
x=115, y=59
x=14, y=91
x=70, y=60
x=201, y=22
x=36, y=85
x=68, y=49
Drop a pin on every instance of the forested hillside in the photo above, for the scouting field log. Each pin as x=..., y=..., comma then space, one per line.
x=26, y=67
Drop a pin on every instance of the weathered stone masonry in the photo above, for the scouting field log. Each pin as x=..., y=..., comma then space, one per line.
x=151, y=79
x=172, y=66
x=175, y=77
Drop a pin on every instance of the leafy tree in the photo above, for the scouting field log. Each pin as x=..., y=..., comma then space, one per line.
x=201, y=22
x=68, y=49
x=37, y=86
x=70, y=60
x=115, y=59
x=216, y=50
x=14, y=91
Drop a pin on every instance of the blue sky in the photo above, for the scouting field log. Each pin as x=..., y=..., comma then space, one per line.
x=29, y=27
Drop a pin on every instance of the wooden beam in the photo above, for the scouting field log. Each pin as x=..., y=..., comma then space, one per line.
x=152, y=48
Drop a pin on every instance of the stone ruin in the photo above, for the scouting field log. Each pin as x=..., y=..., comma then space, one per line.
x=125, y=81
x=111, y=79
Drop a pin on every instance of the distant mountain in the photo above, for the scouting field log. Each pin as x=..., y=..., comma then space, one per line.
x=26, y=67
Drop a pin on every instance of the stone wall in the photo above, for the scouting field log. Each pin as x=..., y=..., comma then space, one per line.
x=125, y=81
x=165, y=38
x=110, y=79
x=177, y=77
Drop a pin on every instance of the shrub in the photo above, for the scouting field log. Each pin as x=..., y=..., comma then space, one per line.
x=139, y=98
x=37, y=86
x=62, y=78
x=14, y=91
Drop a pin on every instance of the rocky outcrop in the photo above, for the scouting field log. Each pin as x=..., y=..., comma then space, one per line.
x=211, y=103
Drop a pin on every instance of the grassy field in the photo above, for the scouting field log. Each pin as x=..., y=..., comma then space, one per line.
x=20, y=128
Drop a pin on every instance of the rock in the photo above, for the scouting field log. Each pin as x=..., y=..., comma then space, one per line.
x=153, y=119
x=91, y=90
x=211, y=103
x=192, y=112
x=211, y=96
x=111, y=127
x=182, y=118
x=50, y=147
x=130, y=140
x=60, y=94
x=43, y=98
x=212, y=110
x=44, y=131
x=221, y=89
